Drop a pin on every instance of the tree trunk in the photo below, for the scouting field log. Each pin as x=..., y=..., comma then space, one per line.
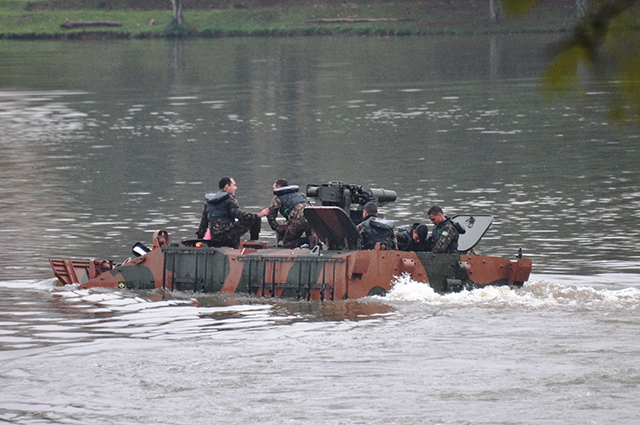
x=177, y=11
x=78, y=24
x=581, y=8
x=494, y=11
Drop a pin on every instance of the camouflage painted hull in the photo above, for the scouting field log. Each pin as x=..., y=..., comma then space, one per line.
x=256, y=269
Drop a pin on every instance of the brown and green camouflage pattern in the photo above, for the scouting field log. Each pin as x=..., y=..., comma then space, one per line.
x=302, y=274
x=296, y=225
x=338, y=272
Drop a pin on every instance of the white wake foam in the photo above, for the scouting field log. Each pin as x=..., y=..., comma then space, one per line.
x=534, y=294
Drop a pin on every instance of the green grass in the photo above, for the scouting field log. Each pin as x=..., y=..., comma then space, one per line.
x=42, y=18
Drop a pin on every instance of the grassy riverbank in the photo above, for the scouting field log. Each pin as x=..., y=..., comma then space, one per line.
x=42, y=19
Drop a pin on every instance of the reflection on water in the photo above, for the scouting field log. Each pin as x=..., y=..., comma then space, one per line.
x=100, y=313
x=63, y=315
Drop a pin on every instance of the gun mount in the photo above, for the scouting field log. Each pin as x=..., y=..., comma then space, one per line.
x=349, y=197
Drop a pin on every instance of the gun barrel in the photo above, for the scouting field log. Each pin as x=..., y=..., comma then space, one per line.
x=312, y=191
x=345, y=195
x=383, y=196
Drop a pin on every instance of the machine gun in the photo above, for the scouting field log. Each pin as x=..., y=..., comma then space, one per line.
x=349, y=197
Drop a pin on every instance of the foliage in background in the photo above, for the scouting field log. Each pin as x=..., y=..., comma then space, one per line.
x=174, y=29
x=223, y=18
x=603, y=49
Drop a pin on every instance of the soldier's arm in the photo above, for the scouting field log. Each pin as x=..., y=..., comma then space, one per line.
x=402, y=241
x=204, y=223
x=273, y=214
x=236, y=212
x=361, y=231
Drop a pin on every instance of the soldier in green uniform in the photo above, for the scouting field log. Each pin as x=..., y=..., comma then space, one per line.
x=444, y=237
x=373, y=229
x=224, y=218
x=291, y=204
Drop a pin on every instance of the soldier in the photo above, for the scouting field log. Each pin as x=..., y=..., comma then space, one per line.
x=291, y=204
x=414, y=238
x=224, y=218
x=373, y=229
x=444, y=237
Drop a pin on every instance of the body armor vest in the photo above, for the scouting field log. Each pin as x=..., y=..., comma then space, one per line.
x=437, y=232
x=378, y=230
x=218, y=206
x=289, y=197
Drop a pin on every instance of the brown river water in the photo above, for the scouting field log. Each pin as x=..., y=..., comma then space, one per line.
x=104, y=142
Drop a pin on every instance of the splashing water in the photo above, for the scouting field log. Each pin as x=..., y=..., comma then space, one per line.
x=534, y=294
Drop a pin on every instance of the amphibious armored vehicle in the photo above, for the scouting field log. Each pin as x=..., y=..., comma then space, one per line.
x=334, y=269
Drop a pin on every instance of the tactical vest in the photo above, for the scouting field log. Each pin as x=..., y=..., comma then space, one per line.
x=405, y=235
x=289, y=197
x=218, y=206
x=437, y=232
x=378, y=230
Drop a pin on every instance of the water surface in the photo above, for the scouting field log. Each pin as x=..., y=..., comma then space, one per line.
x=104, y=142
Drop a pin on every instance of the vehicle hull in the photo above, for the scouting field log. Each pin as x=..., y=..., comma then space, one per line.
x=256, y=269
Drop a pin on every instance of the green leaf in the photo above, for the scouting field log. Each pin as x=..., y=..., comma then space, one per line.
x=616, y=113
x=562, y=74
x=629, y=73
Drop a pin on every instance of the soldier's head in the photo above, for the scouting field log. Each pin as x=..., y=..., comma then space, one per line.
x=370, y=208
x=436, y=215
x=228, y=185
x=420, y=233
x=280, y=183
